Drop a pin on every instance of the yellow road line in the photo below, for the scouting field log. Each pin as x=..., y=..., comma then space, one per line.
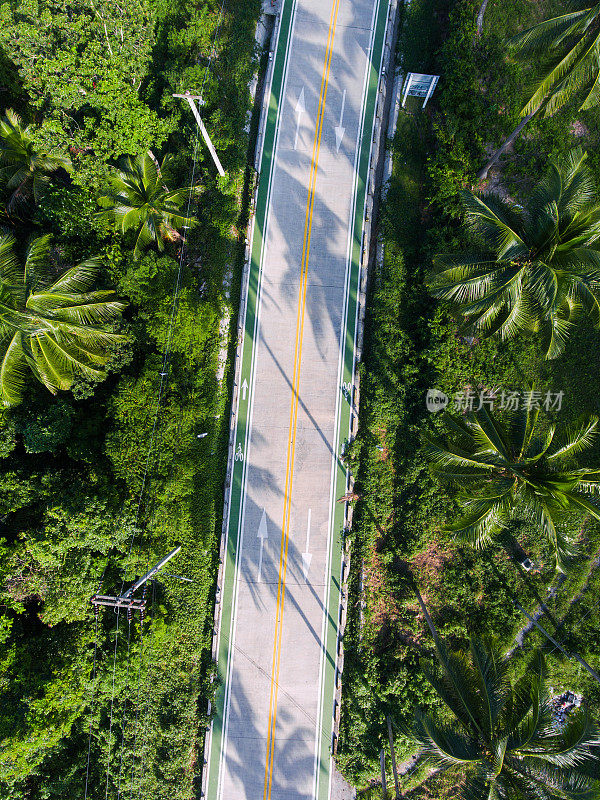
x=294, y=407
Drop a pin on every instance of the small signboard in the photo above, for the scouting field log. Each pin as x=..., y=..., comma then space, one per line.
x=419, y=85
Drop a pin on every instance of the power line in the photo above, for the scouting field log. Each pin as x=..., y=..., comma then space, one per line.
x=164, y=375
x=137, y=701
x=174, y=306
x=115, y=525
x=576, y=622
x=165, y=363
x=87, y=769
x=146, y=691
x=123, y=719
x=212, y=51
x=112, y=700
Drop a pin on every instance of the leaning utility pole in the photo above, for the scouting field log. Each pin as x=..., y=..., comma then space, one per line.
x=191, y=98
x=126, y=600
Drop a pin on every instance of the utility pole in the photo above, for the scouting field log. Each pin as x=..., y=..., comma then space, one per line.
x=126, y=600
x=383, y=781
x=191, y=98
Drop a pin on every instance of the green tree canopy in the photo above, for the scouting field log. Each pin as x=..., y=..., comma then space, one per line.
x=537, y=267
x=139, y=200
x=55, y=329
x=25, y=171
x=499, y=735
x=569, y=46
x=512, y=468
x=83, y=64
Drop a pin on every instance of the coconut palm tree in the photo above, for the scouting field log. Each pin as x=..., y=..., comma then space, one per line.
x=25, y=171
x=55, y=329
x=139, y=200
x=501, y=737
x=571, y=42
x=538, y=267
x=513, y=467
x=569, y=45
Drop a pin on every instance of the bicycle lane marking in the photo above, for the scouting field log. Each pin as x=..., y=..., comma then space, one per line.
x=225, y=644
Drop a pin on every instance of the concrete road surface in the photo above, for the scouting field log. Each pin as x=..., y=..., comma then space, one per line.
x=277, y=640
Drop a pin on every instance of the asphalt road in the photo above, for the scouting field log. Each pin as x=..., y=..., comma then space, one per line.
x=277, y=643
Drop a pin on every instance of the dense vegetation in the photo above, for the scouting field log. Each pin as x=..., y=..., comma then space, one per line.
x=101, y=480
x=114, y=255
x=501, y=738
x=405, y=520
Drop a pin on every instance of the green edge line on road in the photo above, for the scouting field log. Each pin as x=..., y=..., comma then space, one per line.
x=235, y=497
x=331, y=631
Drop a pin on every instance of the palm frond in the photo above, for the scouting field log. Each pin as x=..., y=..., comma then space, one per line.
x=13, y=373
x=452, y=461
x=494, y=218
x=544, y=34
x=79, y=278
x=575, y=437
x=441, y=745
x=484, y=519
x=490, y=673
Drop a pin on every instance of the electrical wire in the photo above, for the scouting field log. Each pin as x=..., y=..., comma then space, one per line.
x=164, y=376
x=94, y=696
x=576, y=622
x=112, y=700
x=123, y=718
x=147, y=689
x=87, y=769
x=137, y=704
x=212, y=51
x=165, y=372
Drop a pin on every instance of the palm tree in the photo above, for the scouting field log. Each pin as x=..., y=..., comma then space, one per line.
x=139, y=200
x=57, y=330
x=571, y=42
x=26, y=171
x=501, y=738
x=538, y=266
x=514, y=468
x=570, y=46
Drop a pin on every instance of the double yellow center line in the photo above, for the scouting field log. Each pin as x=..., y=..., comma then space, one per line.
x=287, y=503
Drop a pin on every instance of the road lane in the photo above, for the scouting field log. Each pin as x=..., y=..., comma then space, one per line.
x=277, y=637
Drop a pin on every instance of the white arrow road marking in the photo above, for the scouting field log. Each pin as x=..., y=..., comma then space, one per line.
x=244, y=389
x=340, y=130
x=262, y=534
x=307, y=557
x=300, y=109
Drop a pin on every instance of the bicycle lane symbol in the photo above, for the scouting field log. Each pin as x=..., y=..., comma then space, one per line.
x=239, y=455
